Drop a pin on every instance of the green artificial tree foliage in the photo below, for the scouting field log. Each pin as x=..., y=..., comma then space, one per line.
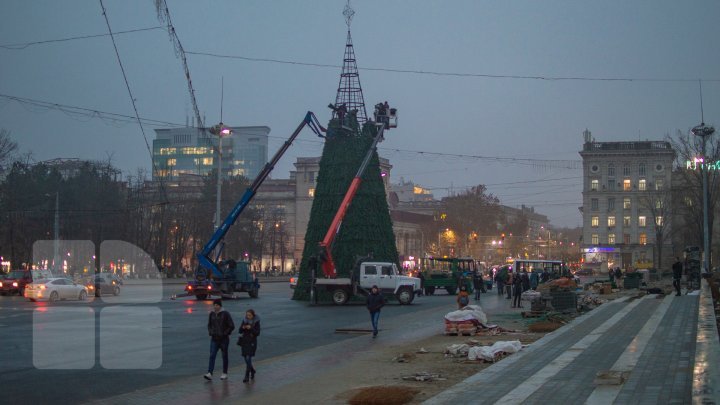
x=367, y=227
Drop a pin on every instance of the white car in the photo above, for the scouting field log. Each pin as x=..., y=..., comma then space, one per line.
x=55, y=289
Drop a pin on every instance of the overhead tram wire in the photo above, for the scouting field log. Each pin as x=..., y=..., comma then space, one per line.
x=457, y=74
x=132, y=98
x=24, y=45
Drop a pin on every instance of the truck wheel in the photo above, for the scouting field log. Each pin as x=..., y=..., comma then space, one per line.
x=451, y=290
x=340, y=296
x=405, y=296
x=201, y=297
x=430, y=290
x=254, y=292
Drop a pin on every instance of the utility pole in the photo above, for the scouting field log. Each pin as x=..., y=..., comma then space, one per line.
x=704, y=131
x=56, y=242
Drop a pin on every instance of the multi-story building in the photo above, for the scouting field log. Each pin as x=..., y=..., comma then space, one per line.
x=191, y=150
x=626, y=192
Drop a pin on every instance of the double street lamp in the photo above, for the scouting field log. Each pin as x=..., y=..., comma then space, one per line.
x=704, y=131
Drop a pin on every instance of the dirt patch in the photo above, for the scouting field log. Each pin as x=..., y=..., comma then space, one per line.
x=544, y=326
x=383, y=396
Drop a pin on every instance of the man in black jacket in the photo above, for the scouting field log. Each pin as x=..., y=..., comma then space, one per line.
x=220, y=327
x=375, y=301
x=677, y=268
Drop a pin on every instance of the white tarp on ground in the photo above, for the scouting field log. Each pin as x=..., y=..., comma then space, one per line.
x=488, y=353
x=469, y=313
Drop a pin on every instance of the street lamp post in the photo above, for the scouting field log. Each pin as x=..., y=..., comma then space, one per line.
x=704, y=131
x=220, y=130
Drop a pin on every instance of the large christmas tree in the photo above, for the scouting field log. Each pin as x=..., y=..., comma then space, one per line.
x=366, y=228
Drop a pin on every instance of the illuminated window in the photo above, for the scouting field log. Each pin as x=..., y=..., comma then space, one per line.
x=626, y=238
x=172, y=162
x=311, y=192
x=659, y=220
x=168, y=151
x=595, y=221
x=594, y=204
x=627, y=185
x=659, y=204
x=594, y=185
x=641, y=169
x=643, y=239
x=659, y=183
x=626, y=220
x=642, y=185
x=626, y=203
x=641, y=220
x=611, y=221
x=611, y=204
x=208, y=161
x=595, y=239
x=611, y=239
x=688, y=201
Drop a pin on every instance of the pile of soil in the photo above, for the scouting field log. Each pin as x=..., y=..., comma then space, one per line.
x=384, y=395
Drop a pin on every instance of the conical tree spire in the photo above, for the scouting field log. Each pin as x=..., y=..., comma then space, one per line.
x=349, y=90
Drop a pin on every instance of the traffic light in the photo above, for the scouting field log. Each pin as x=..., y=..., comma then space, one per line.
x=502, y=237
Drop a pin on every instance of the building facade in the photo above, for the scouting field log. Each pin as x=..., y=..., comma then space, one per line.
x=189, y=150
x=626, y=192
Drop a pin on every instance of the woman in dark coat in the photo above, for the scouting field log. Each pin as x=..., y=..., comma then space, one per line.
x=249, y=331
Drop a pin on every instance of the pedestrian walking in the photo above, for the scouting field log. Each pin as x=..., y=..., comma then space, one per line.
x=422, y=282
x=477, y=284
x=249, y=332
x=534, y=280
x=677, y=269
x=517, y=291
x=375, y=301
x=463, y=298
x=500, y=280
x=509, y=281
x=525, y=281
x=618, y=275
x=220, y=327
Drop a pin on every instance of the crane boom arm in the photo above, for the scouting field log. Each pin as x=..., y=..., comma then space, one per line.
x=327, y=262
x=203, y=256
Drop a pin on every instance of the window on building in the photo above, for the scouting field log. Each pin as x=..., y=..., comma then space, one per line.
x=611, y=239
x=642, y=185
x=643, y=238
x=611, y=170
x=641, y=169
x=310, y=177
x=311, y=192
x=595, y=239
x=627, y=185
x=688, y=201
x=207, y=161
x=611, y=204
x=659, y=184
x=641, y=220
x=626, y=238
x=626, y=203
x=172, y=162
x=659, y=220
x=659, y=204
x=594, y=185
x=611, y=221
x=626, y=170
x=595, y=221
x=626, y=220
x=611, y=184
x=594, y=204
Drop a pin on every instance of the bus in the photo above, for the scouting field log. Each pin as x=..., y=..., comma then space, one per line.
x=447, y=273
x=554, y=267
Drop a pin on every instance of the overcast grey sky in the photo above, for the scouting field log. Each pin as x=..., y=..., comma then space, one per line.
x=467, y=114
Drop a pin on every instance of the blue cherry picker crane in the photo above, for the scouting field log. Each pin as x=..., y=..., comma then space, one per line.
x=228, y=277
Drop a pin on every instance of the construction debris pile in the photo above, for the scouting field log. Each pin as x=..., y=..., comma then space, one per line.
x=466, y=321
x=474, y=351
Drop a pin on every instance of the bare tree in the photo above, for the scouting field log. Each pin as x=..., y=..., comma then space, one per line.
x=689, y=147
x=658, y=204
x=8, y=147
x=473, y=212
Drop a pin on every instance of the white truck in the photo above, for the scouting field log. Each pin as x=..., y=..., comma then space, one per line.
x=385, y=275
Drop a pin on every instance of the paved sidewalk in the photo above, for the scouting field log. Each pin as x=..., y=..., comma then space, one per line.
x=665, y=347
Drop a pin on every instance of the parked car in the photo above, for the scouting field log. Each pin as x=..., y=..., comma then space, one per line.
x=293, y=280
x=15, y=281
x=55, y=289
x=102, y=284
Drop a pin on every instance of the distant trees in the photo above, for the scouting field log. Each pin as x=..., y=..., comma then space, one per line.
x=472, y=215
x=8, y=147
